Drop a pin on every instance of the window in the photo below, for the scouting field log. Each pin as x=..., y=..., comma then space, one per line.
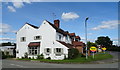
x=37, y=38
x=66, y=37
x=59, y=37
x=58, y=50
x=23, y=39
x=47, y=50
x=33, y=50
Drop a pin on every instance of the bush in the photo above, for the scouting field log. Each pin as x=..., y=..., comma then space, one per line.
x=65, y=57
x=26, y=55
x=48, y=58
x=73, y=53
x=3, y=55
x=40, y=56
x=82, y=55
x=29, y=58
x=22, y=57
x=33, y=57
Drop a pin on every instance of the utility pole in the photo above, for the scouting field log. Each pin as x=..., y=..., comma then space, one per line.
x=86, y=37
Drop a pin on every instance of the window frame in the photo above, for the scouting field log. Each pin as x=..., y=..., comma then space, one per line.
x=45, y=50
x=22, y=39
x=59, y=49
x=32, y=50
x=37, y=37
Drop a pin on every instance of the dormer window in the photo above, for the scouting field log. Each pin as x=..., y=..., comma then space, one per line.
x=60, y=37
x=37, y=38
x=66, y=37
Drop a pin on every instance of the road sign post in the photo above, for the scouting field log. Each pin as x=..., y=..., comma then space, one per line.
x=93, y=55
x=104, y=49
x=93, y=49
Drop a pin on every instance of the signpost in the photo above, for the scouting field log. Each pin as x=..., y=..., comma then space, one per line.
x=93, y=49
x=104, y=49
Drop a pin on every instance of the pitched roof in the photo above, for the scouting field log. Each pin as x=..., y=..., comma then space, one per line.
x=75, y=43
x=66, y=44
x=33, y=26
x=58, y=29
x=77, y=37
x=72, y=34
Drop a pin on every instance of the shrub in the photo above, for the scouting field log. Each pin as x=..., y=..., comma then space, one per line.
x=3, y=55
x=49, y=58
x=38, y=56
x=22, y=57
x=7, y=53
x=33, y=57
x=65, y=57
x=82, y=55
x=29, y=58
x=73, y=53
x=26, y=55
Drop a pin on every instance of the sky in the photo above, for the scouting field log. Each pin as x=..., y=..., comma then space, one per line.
x=103, y=18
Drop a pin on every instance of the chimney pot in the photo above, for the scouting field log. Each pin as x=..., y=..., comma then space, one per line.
x=57, y=23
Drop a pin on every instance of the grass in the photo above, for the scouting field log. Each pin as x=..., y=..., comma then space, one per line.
x=98, y=56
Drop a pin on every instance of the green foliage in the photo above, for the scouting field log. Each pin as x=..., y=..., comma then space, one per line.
x=89, y=44
x=104, y=41
x=29, y=58
x=73, y=53
x=65, y=57
x=7, y=55
x=3, y=55
x=26, y=55
x=33, y=58
x=40, y=56
x=82, y=55
x=99, y=56
x=23, y=57
x=8, y=44
x=114, y=49
x=49, y=58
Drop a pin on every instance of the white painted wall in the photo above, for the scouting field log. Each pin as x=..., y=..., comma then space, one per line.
x=49, y=37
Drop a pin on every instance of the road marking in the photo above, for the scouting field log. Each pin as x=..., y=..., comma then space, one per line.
x=16, y=65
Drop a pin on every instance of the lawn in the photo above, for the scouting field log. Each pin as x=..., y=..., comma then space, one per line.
x=98, y=56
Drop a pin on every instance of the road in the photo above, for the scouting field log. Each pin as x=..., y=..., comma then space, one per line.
x=8, y=63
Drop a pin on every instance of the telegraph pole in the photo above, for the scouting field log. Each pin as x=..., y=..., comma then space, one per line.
x=86, y=37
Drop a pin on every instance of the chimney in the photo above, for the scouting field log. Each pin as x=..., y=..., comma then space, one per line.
x=57, y=23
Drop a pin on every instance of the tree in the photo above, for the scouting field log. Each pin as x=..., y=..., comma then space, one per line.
x=72, y=53
x=89, y=44
x=104, y=41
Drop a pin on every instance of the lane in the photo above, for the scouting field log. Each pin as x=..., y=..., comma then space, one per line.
x=33, y=64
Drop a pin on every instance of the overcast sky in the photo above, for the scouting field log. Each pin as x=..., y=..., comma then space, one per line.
x=103, y=17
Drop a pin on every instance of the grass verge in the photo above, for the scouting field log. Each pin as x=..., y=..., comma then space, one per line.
x=98, y=56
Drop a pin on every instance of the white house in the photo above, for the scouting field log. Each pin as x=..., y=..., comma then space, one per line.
x=48, y=39
x=8, y=49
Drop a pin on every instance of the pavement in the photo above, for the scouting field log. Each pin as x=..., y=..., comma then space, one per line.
x=109, y=63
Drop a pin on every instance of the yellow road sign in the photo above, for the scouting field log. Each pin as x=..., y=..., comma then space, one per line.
x=93, y=49
x=104, y=48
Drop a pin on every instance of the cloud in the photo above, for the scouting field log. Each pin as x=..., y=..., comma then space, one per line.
x=106, y=25
x=4, y=28
x=90, y=34
x=18, y=4
x=69, y=16
x=11, y=9
x=7, y=39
